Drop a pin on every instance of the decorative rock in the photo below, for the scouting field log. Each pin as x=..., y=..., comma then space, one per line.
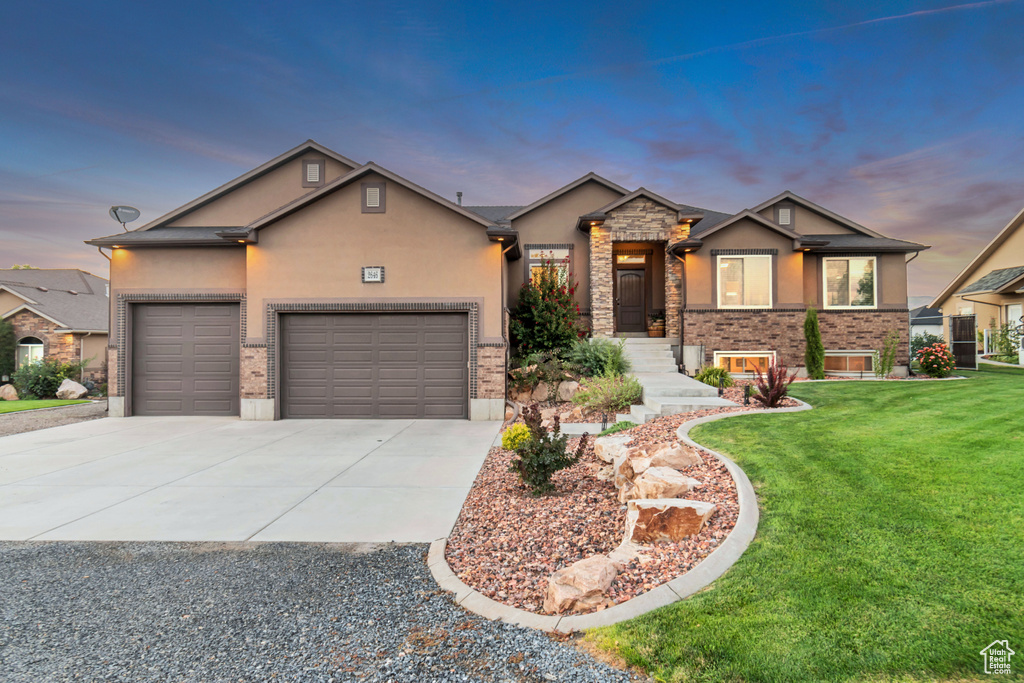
x=639, y=465
x=8, y=393
x=580, y=586
x=567, y=390
x=70, y=390
x=509, y=413
x=520, y=395
x=541, y=392
x=570, y=415
x=668, y=454
x=608, y=448
x=654, y=521
x=622, y=471
x=661, y=482
x=624, y=554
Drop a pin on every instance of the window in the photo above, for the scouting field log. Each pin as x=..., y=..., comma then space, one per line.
x=850, y=282
x=373, y=197
x=744, y=281
x=744, y=362
x=631, y=258
x=848, y=362
x=30, y=350
x=537, y=257
x=1014, y=313
x=312, y=172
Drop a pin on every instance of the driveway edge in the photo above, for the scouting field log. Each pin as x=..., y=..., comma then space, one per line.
x=702, y=575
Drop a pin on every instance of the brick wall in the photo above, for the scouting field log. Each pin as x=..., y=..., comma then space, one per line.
x=253, y=372
x=783, y=332
x=602, y=311
x=113, y=379
x=490, y=372
x=63, y=346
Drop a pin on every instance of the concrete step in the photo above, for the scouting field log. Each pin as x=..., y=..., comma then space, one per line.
x=673, y=384
x=644, y=341
x=641, y=414
x=657, y=367
x=673, y=405
x=652, y=352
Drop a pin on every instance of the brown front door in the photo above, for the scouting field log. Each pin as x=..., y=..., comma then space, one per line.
x=630, y=306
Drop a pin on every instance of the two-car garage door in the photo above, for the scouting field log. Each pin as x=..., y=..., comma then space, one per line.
x=185, y=361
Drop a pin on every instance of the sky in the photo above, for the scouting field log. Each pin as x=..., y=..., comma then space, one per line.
x=903, y=116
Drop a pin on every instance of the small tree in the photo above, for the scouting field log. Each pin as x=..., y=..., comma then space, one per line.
x=884, y=360
x=8, y=348
x=543, y=453
x=772, y=385
x=814, y=352
x=545, y=316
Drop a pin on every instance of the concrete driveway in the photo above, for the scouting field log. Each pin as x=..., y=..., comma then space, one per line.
x=221, y=479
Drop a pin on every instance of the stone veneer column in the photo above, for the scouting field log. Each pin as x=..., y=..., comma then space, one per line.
x=602, y=309
x=674, y=284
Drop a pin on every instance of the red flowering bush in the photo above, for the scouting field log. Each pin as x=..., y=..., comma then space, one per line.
x=545, y=317
x=936, y=360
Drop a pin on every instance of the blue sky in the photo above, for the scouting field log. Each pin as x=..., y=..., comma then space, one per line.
x=904, y=116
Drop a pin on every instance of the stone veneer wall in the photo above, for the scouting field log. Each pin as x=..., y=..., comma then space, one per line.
x=490, y=373
x=253, y=371
x=783, y=332
x=640, y=220
x=63, y=346
x=113, y=379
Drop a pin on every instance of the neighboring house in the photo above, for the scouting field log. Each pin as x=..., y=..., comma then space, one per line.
x=992, y=285
x=924, y=320
x=314, y=286
x=60, y=313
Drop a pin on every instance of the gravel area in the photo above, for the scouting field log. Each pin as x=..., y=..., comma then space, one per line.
x=31, y=420
x=507, y=543
x=255, y=612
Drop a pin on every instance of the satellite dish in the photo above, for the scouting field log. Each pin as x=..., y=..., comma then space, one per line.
x=124, y=214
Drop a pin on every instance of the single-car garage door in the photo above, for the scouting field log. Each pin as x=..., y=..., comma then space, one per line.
x=375, y=365
x=185, y=359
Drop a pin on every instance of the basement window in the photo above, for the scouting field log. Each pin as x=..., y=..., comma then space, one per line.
x=744, y=362
x=313, y=172
x=848, y=362
x=374, y=195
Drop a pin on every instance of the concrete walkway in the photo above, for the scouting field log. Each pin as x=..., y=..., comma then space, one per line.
x=221, y=479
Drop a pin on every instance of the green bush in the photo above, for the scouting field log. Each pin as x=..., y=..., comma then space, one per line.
x=814, y=351
x=936, y=360
x=41, y=380
x=542, y=454
x=535, y=368
x=514, y=435
x=1006, y=340
x=609, y=393
x=884, y=360
x=594, y=357
x=714, y=376
x=8, y=348
x=545, y=317
x=919, y=341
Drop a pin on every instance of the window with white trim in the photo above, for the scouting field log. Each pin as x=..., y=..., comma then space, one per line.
x=850, y=282
x=848, y=362
x=30, y=350
x=744, y=281
x=744, y=362
x=538, y=258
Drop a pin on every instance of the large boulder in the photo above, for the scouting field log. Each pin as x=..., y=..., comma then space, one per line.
x=608, y=448
x=542, y=392
x=574, y=415
x=667, y=454
x=581, y=586
x=70, y=390
x=8, y=393
x=662, y=482
x=567, y=390
x=622, y=471
x=520, y=395
x=663, y=521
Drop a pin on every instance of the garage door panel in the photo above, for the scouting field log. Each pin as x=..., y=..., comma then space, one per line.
x=377, y=365
x=186, y=368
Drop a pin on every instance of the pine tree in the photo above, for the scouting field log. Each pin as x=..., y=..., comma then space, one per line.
x=8, y=348
x=814, y=353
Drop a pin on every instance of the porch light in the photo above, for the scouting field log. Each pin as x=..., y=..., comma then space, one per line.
x=593, y=223
x=689, y=220
x=241, y=241
x=117, y=246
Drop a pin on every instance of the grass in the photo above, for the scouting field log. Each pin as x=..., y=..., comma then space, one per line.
x=15, y=406
x=889, y=546
x=618, y=427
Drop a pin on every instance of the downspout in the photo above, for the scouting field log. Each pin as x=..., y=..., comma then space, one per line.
x=106, y=350
x=682, y=307
x=504, y=335
x=910, y=327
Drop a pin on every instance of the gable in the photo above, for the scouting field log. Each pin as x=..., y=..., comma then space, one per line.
x=806, y=222
x=9, y=301
x=555, y=221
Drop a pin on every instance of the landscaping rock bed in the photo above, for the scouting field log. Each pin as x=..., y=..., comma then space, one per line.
x=506, y=544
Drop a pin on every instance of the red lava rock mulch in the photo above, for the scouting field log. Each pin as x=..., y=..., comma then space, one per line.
x=507, y=543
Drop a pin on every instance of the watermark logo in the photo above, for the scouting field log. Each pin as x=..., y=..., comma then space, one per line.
x=997, y=657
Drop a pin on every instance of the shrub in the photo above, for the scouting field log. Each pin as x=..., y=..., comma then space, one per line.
x=536, y=368
x=42, y=379
x=919, y=341
x=715, y=376
x=543, y=453
x=593, y=357
x=884, y=360
x=610, y=393
x=1006, y=340
x=8, y=348
x=514, y=435
x=618, y=427
x=936, y=360
x=773, y=385
x=545, y=317
x=814, y=351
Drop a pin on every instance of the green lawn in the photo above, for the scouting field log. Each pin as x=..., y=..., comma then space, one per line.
x=890, y=546
x=14, y=406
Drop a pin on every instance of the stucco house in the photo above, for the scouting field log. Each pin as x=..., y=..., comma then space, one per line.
x=57, y=313
x=924, y=320
x=315, y=286
x=992, y=285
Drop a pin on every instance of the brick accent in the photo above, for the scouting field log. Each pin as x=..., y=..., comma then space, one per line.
x=640, y=220
x=783, y=332
x=113, y=379
x=63, y=346
x=253, y=372
x=490, y=373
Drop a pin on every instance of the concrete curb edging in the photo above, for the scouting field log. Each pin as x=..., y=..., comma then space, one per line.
x=707, y=570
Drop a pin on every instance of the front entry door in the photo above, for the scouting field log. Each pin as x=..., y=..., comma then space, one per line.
x=630, y=304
